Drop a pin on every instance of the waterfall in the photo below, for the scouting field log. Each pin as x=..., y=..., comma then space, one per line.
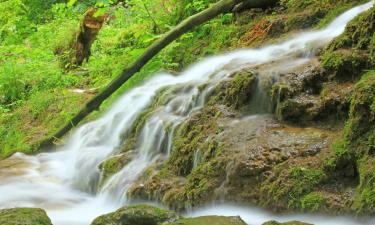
x=65, y=183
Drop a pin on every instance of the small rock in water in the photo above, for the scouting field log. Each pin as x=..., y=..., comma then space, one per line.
x=273, y=222
x=24, y=216
x=136, y=215
x=210, y=220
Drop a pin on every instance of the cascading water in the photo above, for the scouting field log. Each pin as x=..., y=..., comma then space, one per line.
x=65, y=183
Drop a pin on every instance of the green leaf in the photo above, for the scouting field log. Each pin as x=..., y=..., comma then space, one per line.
x=71, y=3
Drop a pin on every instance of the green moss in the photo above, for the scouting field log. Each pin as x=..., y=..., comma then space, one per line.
x=286, y=223
x=192, y=135
x=352, y=52
x=296, y=5
x=294, y=186
x=361, y=117
x=346, y=64
x=236, y=92
x=365, y=195
x=340, y=155
x=136, y=215
x=24, y=216
x=209, y=220
x=333, y=61
x=112, y=165
x=312, y=201
x=203, y=181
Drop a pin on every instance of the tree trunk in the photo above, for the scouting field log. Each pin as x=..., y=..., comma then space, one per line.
x=223, y=6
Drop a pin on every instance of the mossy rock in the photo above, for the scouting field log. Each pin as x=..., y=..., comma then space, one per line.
x=353, y=51
x=362, y=109
x=24, y=216
x=235, y=92
x=195, y=133
x=300, y=109
x=136, y=215
x=114, y=164
x=292, y=187
x=359, y=141
x=346, y=64
x=210, y=220
x=273, y=222
x=203, y=180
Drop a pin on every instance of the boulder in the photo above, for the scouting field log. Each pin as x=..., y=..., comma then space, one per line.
x=24, y=216
x=210, y=220
x=273, y=222
x=136, y=215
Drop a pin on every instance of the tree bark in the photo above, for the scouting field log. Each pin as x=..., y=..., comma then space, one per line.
x=248, y=4
x=223, y=6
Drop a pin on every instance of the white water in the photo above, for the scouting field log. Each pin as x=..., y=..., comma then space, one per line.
x=65, y=183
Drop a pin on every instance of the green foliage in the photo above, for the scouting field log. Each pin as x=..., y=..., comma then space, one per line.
x=194, y=6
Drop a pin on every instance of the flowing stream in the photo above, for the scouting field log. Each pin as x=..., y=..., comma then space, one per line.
x=65, y=182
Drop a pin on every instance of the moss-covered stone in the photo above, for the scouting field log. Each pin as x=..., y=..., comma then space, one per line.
x=312, y=201
x=193, y=135
x=136, y=215
x=202, y=182
x=296, y=5
x=273, y=222
x=361, y=121
x=235, y=92
x=114, y=164
x=294, y=187
x=24, y=216
x=352, y=52
x=209, y=220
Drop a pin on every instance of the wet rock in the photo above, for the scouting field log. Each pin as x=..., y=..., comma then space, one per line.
x=136, y=215
x=273, y=222
x=300, y=109
x=24, y=216
x=210, y=220
x=237, y=91
x=353, y=51
x=114, y=164
x=345, y=65
x=331, y=105
x=250, y=148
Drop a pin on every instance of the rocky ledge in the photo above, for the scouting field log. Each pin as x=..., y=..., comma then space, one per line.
x=313, y=151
